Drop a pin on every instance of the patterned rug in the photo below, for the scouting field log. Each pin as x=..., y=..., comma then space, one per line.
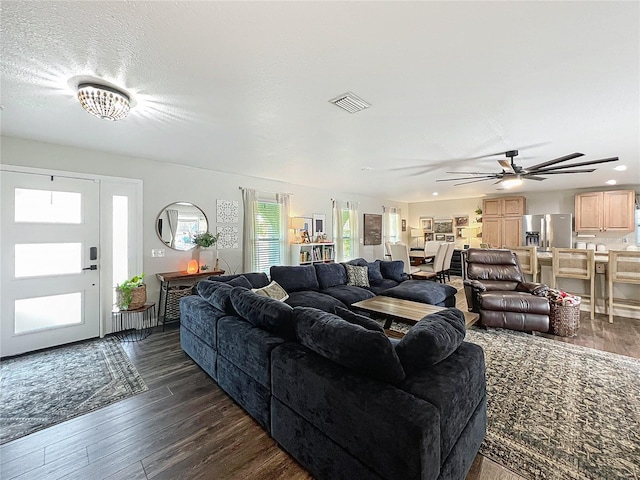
x=49, y=387
x=559, y=411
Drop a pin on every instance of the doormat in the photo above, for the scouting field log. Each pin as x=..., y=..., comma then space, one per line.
x=560, y=411
x=45, y=388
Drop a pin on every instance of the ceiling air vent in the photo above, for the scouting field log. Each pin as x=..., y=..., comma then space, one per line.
x=350, y=102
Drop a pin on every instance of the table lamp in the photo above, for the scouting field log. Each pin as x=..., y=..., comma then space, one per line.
x=468, y=233
x=297, y=224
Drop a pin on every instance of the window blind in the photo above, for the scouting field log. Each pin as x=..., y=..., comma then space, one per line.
x=267, y=237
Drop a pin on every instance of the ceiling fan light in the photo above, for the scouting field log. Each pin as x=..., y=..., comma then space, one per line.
x=512, y=182
x=103, y=102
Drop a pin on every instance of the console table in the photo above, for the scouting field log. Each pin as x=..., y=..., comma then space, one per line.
x=174, y=286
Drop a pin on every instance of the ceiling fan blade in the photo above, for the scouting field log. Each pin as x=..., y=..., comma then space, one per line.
x=472, y=173
x=524, y=147
x=506, y=164
x=463, y=178
x=473, y=181
x=571, y=156
x=579, y=164
x=558, y=172
x=532, y=177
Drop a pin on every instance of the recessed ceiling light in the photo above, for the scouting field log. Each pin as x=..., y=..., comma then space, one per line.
x=611, y=182
x=621, y=168
x=435, y=193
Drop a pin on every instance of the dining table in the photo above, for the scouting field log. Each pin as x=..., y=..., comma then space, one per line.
x=417, y=260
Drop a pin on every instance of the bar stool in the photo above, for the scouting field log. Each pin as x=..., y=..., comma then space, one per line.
x=528, y=258
x=624, y=267
x=575, y=263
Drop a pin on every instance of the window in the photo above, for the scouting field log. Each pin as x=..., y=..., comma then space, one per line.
x=347, y=252
x=394, y=226
x=267, y=250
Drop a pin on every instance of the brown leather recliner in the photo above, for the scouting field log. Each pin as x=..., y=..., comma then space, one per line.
x=495, y=288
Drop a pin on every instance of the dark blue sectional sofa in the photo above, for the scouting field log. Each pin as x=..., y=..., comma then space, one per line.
x=344, y=400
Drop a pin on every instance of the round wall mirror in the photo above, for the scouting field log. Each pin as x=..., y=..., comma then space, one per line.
x=178, y=222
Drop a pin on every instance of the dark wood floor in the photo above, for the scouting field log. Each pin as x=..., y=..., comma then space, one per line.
x=186, y=427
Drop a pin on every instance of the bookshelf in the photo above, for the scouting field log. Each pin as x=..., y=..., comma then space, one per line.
x=310, y=253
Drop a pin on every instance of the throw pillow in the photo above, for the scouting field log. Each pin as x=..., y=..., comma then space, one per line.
x=431, y=340
x=393, y=270
x=240, y=281
x=375, y=275
x=357, y=276
x=356, y=319
x=217, y=294
x=266, y=313
x=273, y=290
x=295, y=278
x=365, y=351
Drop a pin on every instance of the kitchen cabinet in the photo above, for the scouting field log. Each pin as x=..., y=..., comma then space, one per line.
x=502, y=221
x=611, y=211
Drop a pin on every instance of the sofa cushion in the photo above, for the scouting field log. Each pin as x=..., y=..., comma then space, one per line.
x=318, y=300
x=375, y=275
x=295, y=278
x=431, y=340
x=357, y=276
x=365, y=351
x=347, y=294
x=456, y=386
x=392, y=269
x=256, y=279
x=200, y=317
x=330, y=274
x=217, y=294
x=273, y=290
x=263, y=312
x=425, y=292
x=358, y=262
x=383, y=286
x=357, y=319
x=240, y=281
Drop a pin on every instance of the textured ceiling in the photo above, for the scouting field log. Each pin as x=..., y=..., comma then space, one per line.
x=244, y=87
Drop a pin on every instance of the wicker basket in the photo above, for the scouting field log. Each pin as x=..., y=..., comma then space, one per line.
x=564, y=319
x=173, y=300
x=138, y=298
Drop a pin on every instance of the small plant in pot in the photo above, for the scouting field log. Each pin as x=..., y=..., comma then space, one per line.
x=205, y=240
x=131, y=293
x=205, y=256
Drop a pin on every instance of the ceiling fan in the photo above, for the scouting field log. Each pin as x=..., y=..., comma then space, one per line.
x=512, y=174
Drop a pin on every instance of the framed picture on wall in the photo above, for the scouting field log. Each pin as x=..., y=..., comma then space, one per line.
x=372, y=229
x=449, y=238
x=440, y=237
x=404, y=224
x=319, y=220
x=461, y=221
x=443, y=225
x=426, y=224
x=308, y=225
x=428, y=237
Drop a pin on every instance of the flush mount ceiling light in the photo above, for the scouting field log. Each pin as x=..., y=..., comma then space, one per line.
x=103, y=102
x=512, y=182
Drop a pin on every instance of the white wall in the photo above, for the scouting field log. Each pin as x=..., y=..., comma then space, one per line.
x=166, y=183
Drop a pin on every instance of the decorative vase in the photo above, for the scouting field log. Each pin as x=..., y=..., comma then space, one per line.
x=206, y=258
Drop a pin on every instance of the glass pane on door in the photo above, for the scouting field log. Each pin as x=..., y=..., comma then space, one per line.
x=40, y=313
x=47, y=206
x=37, y=259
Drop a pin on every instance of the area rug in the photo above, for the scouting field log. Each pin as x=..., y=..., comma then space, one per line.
x=45, y=388
x=559, y=411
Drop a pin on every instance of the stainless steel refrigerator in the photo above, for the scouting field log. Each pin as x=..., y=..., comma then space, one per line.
x=547, y=230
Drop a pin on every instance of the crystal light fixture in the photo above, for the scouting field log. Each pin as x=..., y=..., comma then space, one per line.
x=103, y=102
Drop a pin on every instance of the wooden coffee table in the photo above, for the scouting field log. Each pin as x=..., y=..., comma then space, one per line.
x=404, y=311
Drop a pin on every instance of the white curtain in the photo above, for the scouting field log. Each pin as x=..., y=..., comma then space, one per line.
x=346, y=231
x=284, y=200
x=172, y=219
x=391, y=224
x=249, y=198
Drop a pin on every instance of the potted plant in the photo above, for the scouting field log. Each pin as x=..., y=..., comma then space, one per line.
x=131, y=293
x=205, y=256
x=479, y=212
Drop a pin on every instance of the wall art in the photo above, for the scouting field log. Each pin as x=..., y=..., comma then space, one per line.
x=227, y=211
x=426, y=224
x=229, y=237
x=443, y=225
x=372, y=229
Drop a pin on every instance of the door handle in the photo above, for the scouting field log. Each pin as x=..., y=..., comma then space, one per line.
x=92, y=267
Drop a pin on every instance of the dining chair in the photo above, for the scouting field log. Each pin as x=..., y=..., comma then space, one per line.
x=438, y=263
x=400, y=251
x=624, y=267
x=528, y=258
x=578, y=264
x=446, y=268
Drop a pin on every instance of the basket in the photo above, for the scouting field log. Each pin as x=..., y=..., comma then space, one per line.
x=173, y=300
x=138, y=297
x=564, y=319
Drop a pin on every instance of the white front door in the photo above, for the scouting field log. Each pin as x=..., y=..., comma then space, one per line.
x=49, y=260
